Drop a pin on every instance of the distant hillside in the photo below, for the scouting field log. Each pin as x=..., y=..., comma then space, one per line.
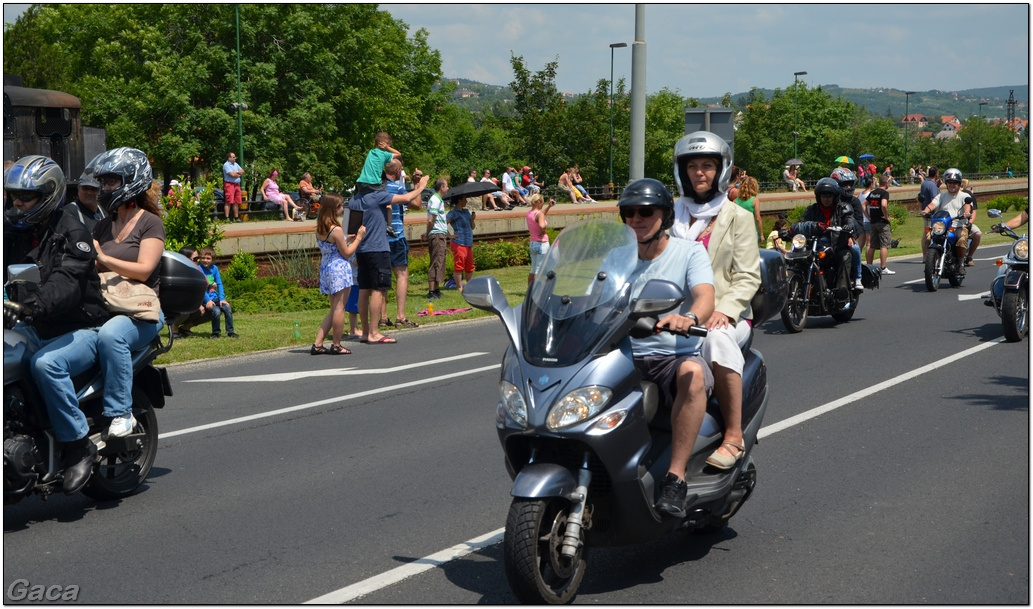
x=877, y=101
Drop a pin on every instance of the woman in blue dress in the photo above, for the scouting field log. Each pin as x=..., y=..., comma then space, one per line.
x=335, y=272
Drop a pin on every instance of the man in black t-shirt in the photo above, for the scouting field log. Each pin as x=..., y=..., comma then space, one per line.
x=876, y=207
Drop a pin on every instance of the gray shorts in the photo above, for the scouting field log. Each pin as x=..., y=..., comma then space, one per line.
x=881, y=236
x=661, y=369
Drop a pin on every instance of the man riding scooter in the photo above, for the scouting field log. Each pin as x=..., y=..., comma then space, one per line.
x=672, y=362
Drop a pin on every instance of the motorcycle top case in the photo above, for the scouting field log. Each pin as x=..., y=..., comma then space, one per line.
x=774, y=284
x=182, y=284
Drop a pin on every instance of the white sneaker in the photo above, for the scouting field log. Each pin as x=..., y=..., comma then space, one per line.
x=121, y=426
x=888, y=271
x=858, y=285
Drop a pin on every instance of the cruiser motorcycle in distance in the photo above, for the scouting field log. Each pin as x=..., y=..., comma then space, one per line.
x=1009, y=291
x=940, y=258
x=31, y=453
x=819, y=277
x=586, y=440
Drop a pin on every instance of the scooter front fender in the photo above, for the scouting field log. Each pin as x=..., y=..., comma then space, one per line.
x=539, y=480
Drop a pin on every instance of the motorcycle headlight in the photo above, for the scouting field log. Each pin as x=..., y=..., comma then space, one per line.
x=939, y=227
x=799, y=242
x=513, y=402
x=578, y=405
x=1020, y=251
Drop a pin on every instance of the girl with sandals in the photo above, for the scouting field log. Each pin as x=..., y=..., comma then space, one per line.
x=335, y=272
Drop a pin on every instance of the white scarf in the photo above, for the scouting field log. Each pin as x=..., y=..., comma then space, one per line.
x=685, y=210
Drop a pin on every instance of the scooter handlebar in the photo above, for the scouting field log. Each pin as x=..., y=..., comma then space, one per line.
x=700, y=331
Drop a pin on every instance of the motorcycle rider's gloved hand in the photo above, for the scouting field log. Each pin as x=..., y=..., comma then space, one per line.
x=14, y=312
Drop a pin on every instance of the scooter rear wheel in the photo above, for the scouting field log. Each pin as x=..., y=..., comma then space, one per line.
x=119, y=474
x=536, y=571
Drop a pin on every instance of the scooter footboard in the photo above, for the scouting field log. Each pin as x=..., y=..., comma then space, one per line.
x=539, y=480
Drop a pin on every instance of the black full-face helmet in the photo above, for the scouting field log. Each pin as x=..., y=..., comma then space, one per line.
x=702, y=144
x=827, y=186
x=847, y=180
x=129, y=164
x=648, y=192
x=37, y=175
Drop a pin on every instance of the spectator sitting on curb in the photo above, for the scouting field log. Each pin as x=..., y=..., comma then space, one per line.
x=215, y=297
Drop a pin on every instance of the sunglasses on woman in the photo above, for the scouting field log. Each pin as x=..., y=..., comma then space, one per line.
x=643, y=212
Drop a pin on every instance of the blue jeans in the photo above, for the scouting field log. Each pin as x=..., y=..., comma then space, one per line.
x=217, y=312
x=539, y=249
x=116, y=341
x=54, y=363
x=855, y=264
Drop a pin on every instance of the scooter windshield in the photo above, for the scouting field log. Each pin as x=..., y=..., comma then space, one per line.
x=579, y=292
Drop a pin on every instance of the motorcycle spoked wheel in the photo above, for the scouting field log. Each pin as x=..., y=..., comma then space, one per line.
x=794, y=313
x=1015, y=315
x=536, y=571
x=118, y=475
x=932, y=270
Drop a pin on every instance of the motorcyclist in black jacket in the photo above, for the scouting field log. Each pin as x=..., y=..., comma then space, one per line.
x=57, y=316
x=829, y=209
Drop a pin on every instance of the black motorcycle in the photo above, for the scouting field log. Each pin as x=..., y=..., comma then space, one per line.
x=819, y=277
x=1009, y=292
x=31, y=453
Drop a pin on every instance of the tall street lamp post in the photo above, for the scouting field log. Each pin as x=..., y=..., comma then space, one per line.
x=907, y=126
x=979, y=145
x=615, y=45
x=796, y=115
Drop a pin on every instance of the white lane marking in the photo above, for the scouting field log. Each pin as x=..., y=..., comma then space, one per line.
x=416, y=567
x=340, y=398
x=922, y=280
x=302, y=374
x=981, y=295
x=396, y=575
x=857, y=395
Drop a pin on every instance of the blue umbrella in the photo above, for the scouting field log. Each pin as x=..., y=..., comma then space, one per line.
x=866, y=156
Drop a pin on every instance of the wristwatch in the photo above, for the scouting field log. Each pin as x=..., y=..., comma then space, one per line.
x=693, y=316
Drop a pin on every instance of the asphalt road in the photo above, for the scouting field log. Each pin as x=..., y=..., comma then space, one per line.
x=284, y=478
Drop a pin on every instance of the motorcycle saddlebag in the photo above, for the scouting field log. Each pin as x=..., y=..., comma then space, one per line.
x=774, y=283
x=182, y=285
x=870, y=276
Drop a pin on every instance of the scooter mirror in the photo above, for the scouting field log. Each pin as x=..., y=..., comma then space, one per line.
x=657, y=296
x=485, y=293
x=993, y=213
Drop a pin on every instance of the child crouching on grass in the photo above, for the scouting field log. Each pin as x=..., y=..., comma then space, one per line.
x=463, y=221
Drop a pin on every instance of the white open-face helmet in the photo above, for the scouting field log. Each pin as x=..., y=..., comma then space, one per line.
x=702, y=143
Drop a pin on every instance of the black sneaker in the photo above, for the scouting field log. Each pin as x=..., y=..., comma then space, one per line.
x=672, y=497
x=437, y=293
x=185, y=332
x=431, y=296
x=214, y=335
x=232, y=335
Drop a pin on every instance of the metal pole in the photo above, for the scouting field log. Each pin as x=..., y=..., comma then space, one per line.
x=796, y=117
x=979, y=146
x=907, y=126
x=637, y=157
x=616, y=45
x=240, y=123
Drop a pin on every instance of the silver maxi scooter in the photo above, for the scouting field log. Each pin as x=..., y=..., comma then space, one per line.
x=586, y=440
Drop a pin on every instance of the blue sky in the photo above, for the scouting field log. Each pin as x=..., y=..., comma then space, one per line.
x=706, y=50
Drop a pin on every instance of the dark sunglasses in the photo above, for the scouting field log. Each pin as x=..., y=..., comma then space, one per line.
x=25, y=197
x=643, y=212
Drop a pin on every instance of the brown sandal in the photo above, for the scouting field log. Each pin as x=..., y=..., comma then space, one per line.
x=317, y=350
x=339, y=350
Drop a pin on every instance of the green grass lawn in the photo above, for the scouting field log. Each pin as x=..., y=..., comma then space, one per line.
x=263, y=331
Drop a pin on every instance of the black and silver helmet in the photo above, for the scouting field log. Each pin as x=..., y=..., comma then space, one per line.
x=648, y=192
x=952, y=175
x=702, y=143
x=129, y=164
x=35, y=174
x=847, y=179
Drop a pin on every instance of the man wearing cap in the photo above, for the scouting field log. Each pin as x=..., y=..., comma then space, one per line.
x=86, y=207
x=231, y=173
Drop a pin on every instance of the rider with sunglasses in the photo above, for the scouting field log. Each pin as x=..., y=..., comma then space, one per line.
x=673, y=362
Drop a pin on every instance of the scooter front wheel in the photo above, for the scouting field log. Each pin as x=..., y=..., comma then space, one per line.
x=1015, y=315
x=537, y=572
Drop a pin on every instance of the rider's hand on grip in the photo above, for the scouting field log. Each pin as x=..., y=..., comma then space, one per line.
x=12, y=313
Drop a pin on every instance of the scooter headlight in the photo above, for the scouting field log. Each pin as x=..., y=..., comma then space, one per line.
x=1020, y=251
x=799, y=242
x=578, y=405
x=513, y=402
x=938, y=227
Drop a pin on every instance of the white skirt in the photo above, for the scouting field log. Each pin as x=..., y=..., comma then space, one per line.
x=724, y=347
